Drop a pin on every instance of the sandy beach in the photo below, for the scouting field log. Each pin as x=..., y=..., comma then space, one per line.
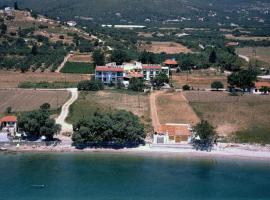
x=222, y=150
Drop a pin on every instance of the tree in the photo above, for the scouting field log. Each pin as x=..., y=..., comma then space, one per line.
x=3, y=28
x=136, y=84
x=205, y=135
x=147, y=57
x=116, y=128
x=16, y=7
x=213, y=56
x=34, y=50
x=160, y=79
x=217, y=85
x=264, y=89
x=244, y=79
x=45, y=106
x=38, y=123
x=119, y=56
x=92, y=85
x=186, y=87
x=8, y=110
x=98, y=58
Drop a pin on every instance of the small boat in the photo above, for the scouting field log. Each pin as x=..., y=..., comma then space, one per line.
x=38, y=186
x=3, y=149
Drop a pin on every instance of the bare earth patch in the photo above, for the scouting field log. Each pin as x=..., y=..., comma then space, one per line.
x=27, y=100
x=262, y=53
x=9, y=79
x=167, y=47
x=174, y=108
x=80, y=58
x=230, y=113
x=232, y=37
x=196, y=81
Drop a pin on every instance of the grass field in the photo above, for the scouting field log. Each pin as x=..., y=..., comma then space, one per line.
x=167, y=47
x=78, y=68
x=50, y=85
x=9, y=79
x=262, y=53
x=27, y=100
x=173, y=108
x=89, y=102
x=230, y=114
x=198, y=80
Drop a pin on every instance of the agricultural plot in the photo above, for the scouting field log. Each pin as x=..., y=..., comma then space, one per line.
x=9, y=79
x=247, y=38
x=85, y=58
x=174, y=108
x=27, y=100
x=78, y=68
x=167, y=47
x=198, y=80
x=230, y=114
x=262, y=53
x=89, y=102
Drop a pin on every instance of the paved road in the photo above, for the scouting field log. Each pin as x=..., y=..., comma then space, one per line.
x=66, y=127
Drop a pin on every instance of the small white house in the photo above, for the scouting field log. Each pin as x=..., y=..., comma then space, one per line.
x=71, y=23
x=258, y=87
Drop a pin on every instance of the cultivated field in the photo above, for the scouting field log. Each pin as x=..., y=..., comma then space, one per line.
x=78, y=68
x=232, y=37
x=167, y=47
x=87, y=58
x=262, y=53
x=9, y=79
x=89, y=102
x=174, y=108
x=198, y=80
x=27, y=100
x=231, y=113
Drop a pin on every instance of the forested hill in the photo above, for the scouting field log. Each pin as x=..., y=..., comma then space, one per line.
x=147, y=11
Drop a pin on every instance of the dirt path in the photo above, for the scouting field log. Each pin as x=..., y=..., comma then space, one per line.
x=63, y=63
x=154, y=113
x=244, y=57
x=66, y=127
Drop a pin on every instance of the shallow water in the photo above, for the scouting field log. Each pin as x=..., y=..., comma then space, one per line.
x=99, y=176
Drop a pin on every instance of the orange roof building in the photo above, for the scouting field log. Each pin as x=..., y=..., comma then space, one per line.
x=261, y=84
x=8, y=119
x=170, y=62
x=172, y=134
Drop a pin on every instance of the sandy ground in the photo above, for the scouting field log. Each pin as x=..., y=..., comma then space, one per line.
x=66, y=127
x=229, y=151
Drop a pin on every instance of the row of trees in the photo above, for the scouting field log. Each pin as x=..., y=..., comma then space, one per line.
x=38, y=123
x=115, y=128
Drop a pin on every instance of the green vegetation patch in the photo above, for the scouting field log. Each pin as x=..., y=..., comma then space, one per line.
x=78, y=68
x=255, y=134
x=51, y=85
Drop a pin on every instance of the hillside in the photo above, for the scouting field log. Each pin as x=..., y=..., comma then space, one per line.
x=181, y=12
x=34, y=42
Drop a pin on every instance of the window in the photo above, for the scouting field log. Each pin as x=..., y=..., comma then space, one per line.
x=151, y=72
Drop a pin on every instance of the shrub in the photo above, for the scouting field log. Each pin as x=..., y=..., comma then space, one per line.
x=217, y=85
x=186, y=87
x=92, y=85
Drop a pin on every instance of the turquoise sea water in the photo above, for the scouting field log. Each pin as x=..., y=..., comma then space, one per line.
x=100, y=176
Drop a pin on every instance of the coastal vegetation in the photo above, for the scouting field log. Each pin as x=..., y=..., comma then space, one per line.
x=49, y=85
x=91, y=85
x=38, y=123
x=109, y=129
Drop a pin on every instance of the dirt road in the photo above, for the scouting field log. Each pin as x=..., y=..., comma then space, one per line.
x=63, y=63
x=66, y=127
x=153, y=106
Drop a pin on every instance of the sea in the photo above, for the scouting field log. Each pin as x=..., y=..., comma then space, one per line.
x=118, y=176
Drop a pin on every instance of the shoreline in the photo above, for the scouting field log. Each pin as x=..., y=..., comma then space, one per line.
x=228, y=153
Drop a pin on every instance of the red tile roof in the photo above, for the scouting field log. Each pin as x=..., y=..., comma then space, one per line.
x=109, y=69
x=174, y=130
x=260, y=84
x=151, y=67
x=170, y=62
x=8, y=119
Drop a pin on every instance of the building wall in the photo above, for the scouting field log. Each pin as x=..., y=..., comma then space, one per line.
x=108, y=77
